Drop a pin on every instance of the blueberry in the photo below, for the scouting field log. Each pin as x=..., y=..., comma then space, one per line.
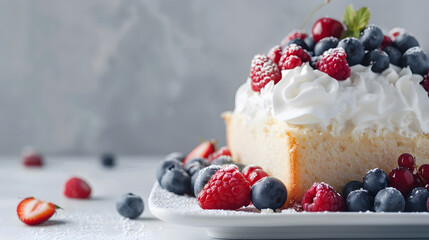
x=389, y=200
x=130, y=205
x=203, y=177
x=324, y=45
x=201, y=161
x=166, y=164
x=176, y=180
x=379, y=60
x=222, y=160
x=314, y=61
x=268, y=192
x=176, y=155
x=405, y=41
x=394, y=54
x=416, y=59
x=350, y=187
x=298, y=42
x=194, y=168
x=360, y=201
x=108, y=159
x=371, y=37
x=310, y=42
x=416, y=200
x=375, y=180
x=354, y=49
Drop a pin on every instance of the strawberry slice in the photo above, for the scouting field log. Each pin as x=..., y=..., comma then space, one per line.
x=32, y=211
x=203, y=151
x=223, y=151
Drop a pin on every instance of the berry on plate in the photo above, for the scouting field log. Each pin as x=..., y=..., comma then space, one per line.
x=227, y=189
x=262, y=71
x=108, y=159
x=167, y=164
x=275, y=53
x=387, y=41
x=268, y=192
x=322, y=197
x=176, y=180
x=223, y=160
x=31, y=158
x=129, y=205
x=405, y=41
x=310, y=42
x=298, y=42
x=334, y=63
x=32, y=211
x=327, y=27
x=375, y=180
x=203, y=177
x=416, y=200
x=423, y=172
x=203, y=150
x=416, y=59
x=325, y=44
x=389, y=200
x=371, y=37
x=395, y=56
x=360, y=201
x=255, y=176
x=223, y=151
x=350, y=187
x=354, y=49
x=407, y=161
x=290, y=62
x=377, y=59
x=401, y=179
x=77, y=188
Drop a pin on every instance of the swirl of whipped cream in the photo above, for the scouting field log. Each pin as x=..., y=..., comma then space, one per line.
x=393, y=100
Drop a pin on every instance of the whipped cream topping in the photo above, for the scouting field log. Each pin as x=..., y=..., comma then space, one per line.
x=393, y=100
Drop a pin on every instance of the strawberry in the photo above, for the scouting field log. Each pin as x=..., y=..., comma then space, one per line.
x=203, y=150
x=32, y=211
x=77, y=188
x=223, y=151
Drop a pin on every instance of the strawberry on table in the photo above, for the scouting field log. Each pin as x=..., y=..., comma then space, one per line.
x=77, y=188
x=32, y=211
x=203, y=150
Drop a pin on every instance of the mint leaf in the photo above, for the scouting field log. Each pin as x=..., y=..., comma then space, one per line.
x=355, y=21
x=348, y=16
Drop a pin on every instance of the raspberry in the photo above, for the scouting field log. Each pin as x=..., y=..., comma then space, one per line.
x=322, y=197
x=262, y=71
x=223, y=151
x=294, y=34
x=334, y=63
x=227, y=189
x=291, y=62
x=77, y=188
x=275, y=53
x=386, y=42
x=296, y=50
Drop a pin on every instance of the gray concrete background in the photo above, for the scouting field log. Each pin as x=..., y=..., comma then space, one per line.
x=143, y=77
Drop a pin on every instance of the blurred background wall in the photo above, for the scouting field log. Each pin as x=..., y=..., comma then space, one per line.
x=143, y=77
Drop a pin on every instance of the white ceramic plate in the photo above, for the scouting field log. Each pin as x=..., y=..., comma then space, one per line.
x=248, y=223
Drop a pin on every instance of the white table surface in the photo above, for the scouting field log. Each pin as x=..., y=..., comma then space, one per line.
x=95, y=218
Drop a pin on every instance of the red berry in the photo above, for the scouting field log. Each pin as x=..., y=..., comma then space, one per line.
x=427, y=186
x=395, y=32
x=256, y=175
x=401, y=179
x=386, y=42
x=424, y=173
x=32, y=211
x=294, y=50
x=294, y=34
x=327, y=27
x=77, y=188
x=31, y=158
x=425, y=82
x=407, y=161
x=417, y=181
x=203, y=150
x=262, y=71
x=249, y=169
x=275, y=53
x=291, y=62
x=322, y=197
x=334, y=63
x=226, y=189
x=223, y=151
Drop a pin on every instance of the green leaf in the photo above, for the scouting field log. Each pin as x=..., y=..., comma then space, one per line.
x=348, y=16
x=362, y=18
x=350, y=33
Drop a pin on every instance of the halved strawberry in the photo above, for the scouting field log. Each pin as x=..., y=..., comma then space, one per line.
x=32, y=211
x=203, y=151
x=223, y=151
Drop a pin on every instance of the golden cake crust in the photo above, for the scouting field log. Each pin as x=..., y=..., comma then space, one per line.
x=300, y=156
